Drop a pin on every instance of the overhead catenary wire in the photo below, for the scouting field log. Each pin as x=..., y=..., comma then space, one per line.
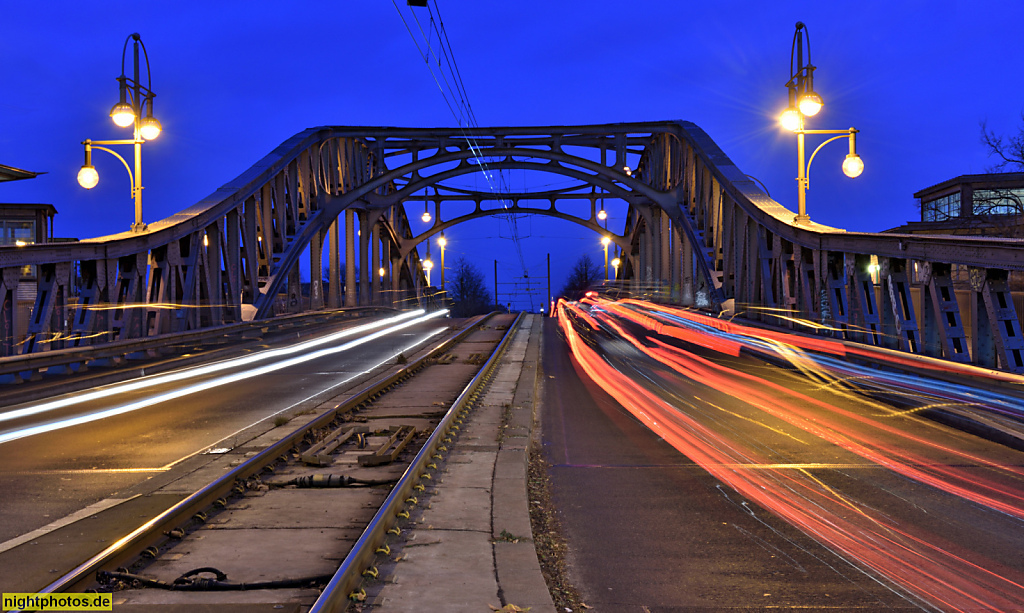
x=456, y=98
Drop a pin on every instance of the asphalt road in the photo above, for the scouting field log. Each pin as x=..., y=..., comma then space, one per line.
x=650, y=529
x=50, y=475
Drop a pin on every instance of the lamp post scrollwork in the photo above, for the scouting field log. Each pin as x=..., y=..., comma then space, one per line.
x=135, y=108
x=804, y=102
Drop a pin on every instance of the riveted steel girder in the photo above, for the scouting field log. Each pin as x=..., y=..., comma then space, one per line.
x=695, y=224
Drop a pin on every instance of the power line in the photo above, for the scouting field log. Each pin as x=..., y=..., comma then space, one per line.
x=465, y=115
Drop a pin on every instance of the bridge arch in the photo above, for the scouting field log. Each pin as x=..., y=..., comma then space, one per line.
x=696, y=225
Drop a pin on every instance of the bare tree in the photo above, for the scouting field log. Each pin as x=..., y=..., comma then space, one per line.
x=994, y=211
x=1009, y=155
x=585, y=274
x=1008, y=151
x=467, y=290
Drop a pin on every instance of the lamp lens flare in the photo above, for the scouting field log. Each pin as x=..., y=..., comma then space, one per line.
x=123, y=114
x=150, y=128
x=606, y=241
x=810, y=104
x=791, y=119
x=853, y=166
x=88, y=177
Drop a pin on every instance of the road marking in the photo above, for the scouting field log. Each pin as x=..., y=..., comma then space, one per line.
x=88, y=511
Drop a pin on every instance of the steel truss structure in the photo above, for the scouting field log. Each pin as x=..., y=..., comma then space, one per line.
x=697, y=228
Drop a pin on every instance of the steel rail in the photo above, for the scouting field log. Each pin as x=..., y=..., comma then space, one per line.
x=152, y=532
x=335, y=596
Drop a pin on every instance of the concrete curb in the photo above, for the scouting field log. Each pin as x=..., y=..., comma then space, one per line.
x=519, y=576
x=472, y=548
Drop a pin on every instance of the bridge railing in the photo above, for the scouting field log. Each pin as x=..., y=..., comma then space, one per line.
x=943, y=296
x=232, y=257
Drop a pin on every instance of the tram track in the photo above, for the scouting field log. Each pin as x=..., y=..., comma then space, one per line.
x=383, y=442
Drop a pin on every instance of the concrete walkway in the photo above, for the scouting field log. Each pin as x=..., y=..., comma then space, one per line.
x=472, y=548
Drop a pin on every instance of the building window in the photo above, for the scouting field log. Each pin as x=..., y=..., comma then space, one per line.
x=941, y=209
x=998, y=201
x=13, y=231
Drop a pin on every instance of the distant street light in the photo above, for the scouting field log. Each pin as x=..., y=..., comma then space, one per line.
x=615, y=264
x=605, y=241
x=805, y=102
x=124, y=114
x=442, y=242
x=428, y=265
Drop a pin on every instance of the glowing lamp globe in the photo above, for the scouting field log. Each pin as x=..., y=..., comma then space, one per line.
x=810, y=104
x=428, y=265
x=150, y=128
x=425, y=217
x=853, y=166
x=606, y=241
x=602, y=215
x=791, y=119
x=88, y=177
x=123, y=114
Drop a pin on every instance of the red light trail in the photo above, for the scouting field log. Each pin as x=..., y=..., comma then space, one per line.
x=931, y=569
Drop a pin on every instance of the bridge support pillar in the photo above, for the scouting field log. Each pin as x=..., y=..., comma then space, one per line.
x=645, y=254
x=350, y=259
x=374, y=264
x=316, y=265
x=686, y=281
x=365, y=272
x=675, y=268
x=9, y=280
x=396, y=272
x=295, y=290
x=664, y=260
x=334, y=272
x=389, y=273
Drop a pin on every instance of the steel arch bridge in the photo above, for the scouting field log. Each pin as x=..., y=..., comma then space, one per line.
x=696, y=227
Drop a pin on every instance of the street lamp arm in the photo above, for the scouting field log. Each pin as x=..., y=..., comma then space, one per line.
x=845, y=134
x=846, y=131
x=123, y=141
x=131, y=176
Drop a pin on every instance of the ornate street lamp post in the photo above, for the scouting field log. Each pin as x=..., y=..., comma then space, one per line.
x=135, y=99
x=805, y=102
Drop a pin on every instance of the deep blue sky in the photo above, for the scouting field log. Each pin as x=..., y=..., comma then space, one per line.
x=235, y=79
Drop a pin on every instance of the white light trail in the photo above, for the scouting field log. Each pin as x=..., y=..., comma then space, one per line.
x=131, y=386
x=185, y=391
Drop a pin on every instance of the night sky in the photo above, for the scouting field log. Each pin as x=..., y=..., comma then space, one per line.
x=235, y=79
